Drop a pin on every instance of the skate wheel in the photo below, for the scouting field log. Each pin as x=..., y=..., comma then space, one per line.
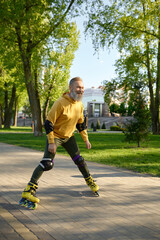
x=23, y=202
x=97, y=194
x=32, y=205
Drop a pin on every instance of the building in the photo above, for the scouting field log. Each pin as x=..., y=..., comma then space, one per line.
x=93, y=102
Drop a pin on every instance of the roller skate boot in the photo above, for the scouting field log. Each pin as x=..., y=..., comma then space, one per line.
x=29, y=198
x=93, y=186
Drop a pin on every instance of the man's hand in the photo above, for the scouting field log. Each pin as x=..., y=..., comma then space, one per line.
x=88, y=145
x=52, y=148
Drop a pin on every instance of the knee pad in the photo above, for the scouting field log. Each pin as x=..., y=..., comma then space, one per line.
x=79, y=160
x=47, y=164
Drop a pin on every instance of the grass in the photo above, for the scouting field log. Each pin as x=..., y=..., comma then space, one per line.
x=16, y=129
x=107, y=148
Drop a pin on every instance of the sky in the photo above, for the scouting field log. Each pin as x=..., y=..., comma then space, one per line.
x=92, y=68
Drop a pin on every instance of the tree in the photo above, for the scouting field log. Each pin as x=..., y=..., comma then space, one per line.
x=109, y=88
x=8, y=94
x=114, y=107
x=12, y=89
x=103, y=126
x=130, y=108
x=26, y=26
x=134, y=26
x=138, y=128
x=122, y=109
x=98, y=125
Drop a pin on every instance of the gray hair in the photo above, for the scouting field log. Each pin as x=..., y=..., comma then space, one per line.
x=73, y=80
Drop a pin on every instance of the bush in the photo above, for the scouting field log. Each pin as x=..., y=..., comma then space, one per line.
x=98, y=126
x=92, y=125
x=103, y=126
x=115, y=128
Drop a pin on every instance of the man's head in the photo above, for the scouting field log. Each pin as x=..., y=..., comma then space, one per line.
x=76, y=88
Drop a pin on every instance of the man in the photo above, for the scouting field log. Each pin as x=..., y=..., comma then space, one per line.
x=64, y=117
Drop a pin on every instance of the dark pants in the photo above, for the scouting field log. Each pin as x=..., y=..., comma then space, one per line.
x=71, y=147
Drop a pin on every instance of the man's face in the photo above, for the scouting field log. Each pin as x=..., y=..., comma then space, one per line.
x=77, y=90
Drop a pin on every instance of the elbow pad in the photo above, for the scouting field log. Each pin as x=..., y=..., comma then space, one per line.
x=48, y=126
x=81, y=126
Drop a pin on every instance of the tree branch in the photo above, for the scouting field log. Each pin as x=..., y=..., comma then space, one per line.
x=52, y=28
x=142, y=31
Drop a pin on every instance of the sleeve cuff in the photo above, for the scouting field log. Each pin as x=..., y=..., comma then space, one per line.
x=84, y=135
x=50, y=137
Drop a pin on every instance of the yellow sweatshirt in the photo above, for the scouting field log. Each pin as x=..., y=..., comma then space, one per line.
x=65, y=114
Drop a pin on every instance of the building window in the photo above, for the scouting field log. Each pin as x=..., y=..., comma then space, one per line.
x=97, y=110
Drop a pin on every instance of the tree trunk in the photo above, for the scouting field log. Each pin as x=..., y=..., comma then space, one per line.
x=150, y=81
x=46, y=103
x=32, y=92
x=5, y=102
x=157, y=87
x=33, y=97
x=9, y=109
x=45, y=109
x=1, y=112
x=39, y=113
x=47, y=100
x=15, y=112
x=150, y=85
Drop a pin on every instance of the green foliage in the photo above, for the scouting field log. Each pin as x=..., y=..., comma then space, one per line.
x=27, y=109
x=98, y=126
x=38, y=40
x=115, y=128
x=130, y=108
x=114, y=107
x=122, y=109
x=133, y=26
x=138, y=129
x=92, y=125
x=103, y=126
x=109, y=89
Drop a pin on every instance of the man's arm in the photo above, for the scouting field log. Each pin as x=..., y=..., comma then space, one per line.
x=49, y=126
x=53, y=114
x=82, y=128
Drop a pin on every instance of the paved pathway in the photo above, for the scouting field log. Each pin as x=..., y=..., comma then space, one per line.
x=128, y=206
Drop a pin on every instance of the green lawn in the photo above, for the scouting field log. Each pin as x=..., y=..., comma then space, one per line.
x=16, y=129
x=107, y=148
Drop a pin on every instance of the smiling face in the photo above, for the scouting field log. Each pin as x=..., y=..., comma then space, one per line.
x=76, y=90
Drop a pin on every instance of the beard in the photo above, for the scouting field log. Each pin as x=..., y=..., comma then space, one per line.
x=76, y=96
